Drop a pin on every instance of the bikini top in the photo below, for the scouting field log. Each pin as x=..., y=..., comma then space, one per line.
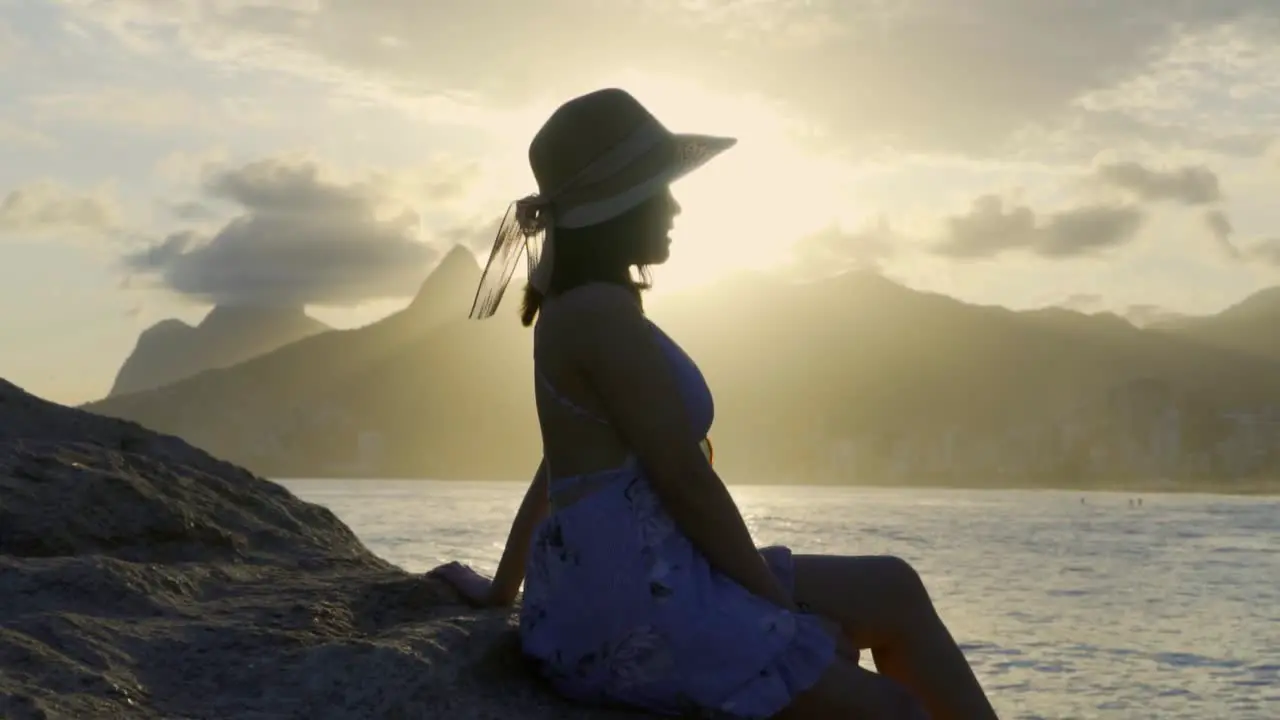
x=692, y=386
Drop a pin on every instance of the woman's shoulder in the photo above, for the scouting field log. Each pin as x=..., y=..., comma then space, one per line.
x=591, y=303
x=590, y=315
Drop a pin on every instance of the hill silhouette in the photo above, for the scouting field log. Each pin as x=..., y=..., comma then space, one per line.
x=264, y=406
x=172, y=350
x=799, y=366
x=797, y=369
x=1249, y=326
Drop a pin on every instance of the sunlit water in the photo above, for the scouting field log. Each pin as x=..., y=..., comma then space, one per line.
x=1066, y=610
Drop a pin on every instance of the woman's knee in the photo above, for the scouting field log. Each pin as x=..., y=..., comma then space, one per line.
x=876, y=598
x=901, y=578
x=906, y=608
x=831, y=577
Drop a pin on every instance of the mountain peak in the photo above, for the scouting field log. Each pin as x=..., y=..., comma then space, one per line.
x=458, y=261
x=169, y=326
x=1265, y=302
x=239, y=313
x=171, y=350
x=455, y=276
x=868, y=283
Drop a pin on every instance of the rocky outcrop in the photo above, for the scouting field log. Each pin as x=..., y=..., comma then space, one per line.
x=142, y=578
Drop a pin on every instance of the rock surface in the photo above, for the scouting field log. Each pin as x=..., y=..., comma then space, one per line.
x=142, y=578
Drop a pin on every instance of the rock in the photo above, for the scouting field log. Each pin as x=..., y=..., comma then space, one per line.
x=142, y=578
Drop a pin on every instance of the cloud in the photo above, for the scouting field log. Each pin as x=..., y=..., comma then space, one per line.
x=449, y=180
x=929, y=75
x=834, y=249
x=1188, y=185
x=17, y=135
x=1108, y=129
x=1082, y=302
x=990, y=229
x=44, y=208
x=131, y=108
x=187, y=168
x=301, y=236
x=477, y=235
x=148, y=109
x=11, y=44
x=1146, y=315
x=1220, y=227
x=1267, y=251
x=192, y=210
x=1087, y=229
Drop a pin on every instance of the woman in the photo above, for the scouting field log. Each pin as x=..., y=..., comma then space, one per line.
x=643, y=586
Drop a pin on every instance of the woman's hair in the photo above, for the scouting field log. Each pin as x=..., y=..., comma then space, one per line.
x=605, y=252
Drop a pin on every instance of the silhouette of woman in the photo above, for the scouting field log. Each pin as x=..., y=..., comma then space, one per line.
x=642, y=583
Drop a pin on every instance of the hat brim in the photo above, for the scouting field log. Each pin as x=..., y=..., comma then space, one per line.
x=694, y=151
x=682, y=155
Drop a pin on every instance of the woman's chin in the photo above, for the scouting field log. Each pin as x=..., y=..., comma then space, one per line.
x=661, y=253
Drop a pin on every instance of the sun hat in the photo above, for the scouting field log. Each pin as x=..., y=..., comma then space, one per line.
x=597, y=156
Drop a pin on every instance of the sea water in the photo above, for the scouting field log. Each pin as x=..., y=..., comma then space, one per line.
x=1068, y=605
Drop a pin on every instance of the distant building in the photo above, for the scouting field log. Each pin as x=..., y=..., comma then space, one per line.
x=1166, y=440
x=370, y=450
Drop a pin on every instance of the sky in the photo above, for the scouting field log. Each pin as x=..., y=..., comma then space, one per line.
x=161, y=156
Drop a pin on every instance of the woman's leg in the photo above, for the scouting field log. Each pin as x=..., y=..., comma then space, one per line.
x=883, y=605
x=848, y=692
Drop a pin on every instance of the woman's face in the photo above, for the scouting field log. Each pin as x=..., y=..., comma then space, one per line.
x=652, y=227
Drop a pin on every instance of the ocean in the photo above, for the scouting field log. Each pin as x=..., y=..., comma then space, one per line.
x=1068, y=604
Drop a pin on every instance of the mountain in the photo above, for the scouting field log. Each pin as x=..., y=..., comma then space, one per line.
x=450, y=285
x=264, y=406
x=172, y=350
x=1250, y=326
x=797, y=368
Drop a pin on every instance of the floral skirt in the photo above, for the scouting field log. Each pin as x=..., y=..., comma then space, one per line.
x=620, y=608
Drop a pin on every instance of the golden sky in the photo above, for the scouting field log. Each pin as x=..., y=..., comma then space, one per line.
x=163, y=156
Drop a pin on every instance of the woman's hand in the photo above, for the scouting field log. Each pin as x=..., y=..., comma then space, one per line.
x=844, y=646
x=475, y=588
x=883, y=697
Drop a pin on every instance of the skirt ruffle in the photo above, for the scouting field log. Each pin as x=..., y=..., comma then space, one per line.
x=797, y=668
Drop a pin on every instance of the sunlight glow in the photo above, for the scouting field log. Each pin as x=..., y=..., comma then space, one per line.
x=744, y=210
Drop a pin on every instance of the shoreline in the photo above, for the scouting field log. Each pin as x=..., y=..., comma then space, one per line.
x=1266, y=488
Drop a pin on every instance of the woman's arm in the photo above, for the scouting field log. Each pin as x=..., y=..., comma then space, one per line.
x=506, y=581
x=629, y=370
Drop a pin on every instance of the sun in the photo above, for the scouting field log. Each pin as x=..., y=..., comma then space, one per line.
x=743, y=210
x=747, y=207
